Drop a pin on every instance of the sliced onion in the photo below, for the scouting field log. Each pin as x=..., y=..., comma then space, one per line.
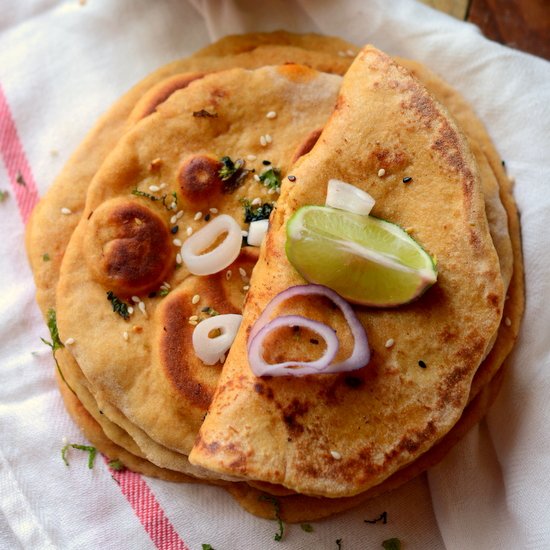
x=347, y=197
x=296, y=368
x=359, y=357
x=219, y=258
x=256, y=232
x=210, y=350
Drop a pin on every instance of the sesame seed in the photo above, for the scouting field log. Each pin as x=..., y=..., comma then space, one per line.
x=136, y=299
x=244, y=233
x=179, y=214
x=257, y=178
x=173, y=206
x=141, y=306
x=256, y=201
x=508, y=321
x=263, y=141
x=173, y=220
x=179, y=260
x=66, y=211
x=197, y=216
x=163, y=185
x=342, y=54
x=154, y=188
x=271, y=114
x=228, y=274
x=291, y=178
x=350, y=53
x=166, y=284
x=271, y=191
x=125, y=335
x=251, y=157
x=189, y=231
x=214, y=210
x=242, y=272
x=69, y=341
x=381, y=172
x=193, y=323
x=177, y=242
x=390, y=342
x=196, y=299
x=268, y=138
x=336, y=455
x=246, y=287
x=194, y=318
x=130, y=310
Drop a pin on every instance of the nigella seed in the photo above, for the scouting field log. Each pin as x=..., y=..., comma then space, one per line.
x=407, y=179
x=207, y=218
x=152, y=294
x=266, y=162
x=174, y=229
x=421, y=364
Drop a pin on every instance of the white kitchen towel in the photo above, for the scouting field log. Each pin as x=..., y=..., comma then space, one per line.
x=61, y=65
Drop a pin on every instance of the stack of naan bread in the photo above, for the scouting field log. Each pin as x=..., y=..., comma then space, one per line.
x=148, y=177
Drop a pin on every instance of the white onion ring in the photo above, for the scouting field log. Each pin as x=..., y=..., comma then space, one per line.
x=359, y=357
x=297, y=368
x=347, y=197
x=219, y=258
x=210, y=350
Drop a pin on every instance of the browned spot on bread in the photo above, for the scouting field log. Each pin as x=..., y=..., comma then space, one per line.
x=306, y=146
x=128, y=247
x=160, y=93
x=297, y=73
x=393, y=158
x=200, y=181
x=291, y=413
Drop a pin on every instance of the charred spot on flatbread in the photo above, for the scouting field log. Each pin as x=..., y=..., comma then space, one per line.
x=200, y=181
x=128, y=247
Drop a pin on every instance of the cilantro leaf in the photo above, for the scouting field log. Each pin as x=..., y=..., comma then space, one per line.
x=229, y=168
x=277, y=509
x=4, y=195
x=87, y=448
x=139, y=193
x=307, y=527
x=392, y=544
x=46, y=257
x=116, y=465
x=118, y=305
x=207, y=547
x=56, y=343
x=272, y=179
x=252, y=214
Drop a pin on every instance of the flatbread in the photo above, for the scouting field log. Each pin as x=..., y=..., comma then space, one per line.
x=285, y=430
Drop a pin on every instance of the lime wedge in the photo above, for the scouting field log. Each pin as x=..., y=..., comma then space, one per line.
x=365, y=259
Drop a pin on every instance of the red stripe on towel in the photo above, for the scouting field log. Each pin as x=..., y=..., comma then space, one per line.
x=133, y=487
x=148, y=510
x=17, y=166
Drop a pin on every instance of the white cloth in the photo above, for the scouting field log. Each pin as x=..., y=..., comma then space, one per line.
x=61, y=65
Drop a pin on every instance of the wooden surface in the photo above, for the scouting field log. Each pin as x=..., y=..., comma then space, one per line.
x=520, y=24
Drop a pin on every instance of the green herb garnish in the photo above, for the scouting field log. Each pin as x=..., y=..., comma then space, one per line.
x=207, y=547
x=4, y=195
x=164, y=292
x=339, y=544
x=392, y=544
x=118, y=305
x=229, y=168
x=139, y=193
x=116, y=465
x=20, y=179
x=87, y=448
x=209, y=311
x=252, y=214
x=307, y=527
x=46, y=257
x=272, y=179
x=383, y=517
x=174, y=204
x=268, y=498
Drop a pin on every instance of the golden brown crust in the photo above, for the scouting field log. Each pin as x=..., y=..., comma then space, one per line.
x=200, y=181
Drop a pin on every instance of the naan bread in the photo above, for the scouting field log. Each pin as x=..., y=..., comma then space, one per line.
x=285, y=431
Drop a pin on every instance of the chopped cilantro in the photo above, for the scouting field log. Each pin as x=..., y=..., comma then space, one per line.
x=271, y=178
x=118, y=305
x=252, y=214
x=87, y=448
x=209, y=311
x=139, y=193
x=46, y=257
x=116, y=465
x=4, y=195
x=383, y=517
x=392, y=544
x=173, y=205
x=164, y=291
x=231, y=173
x=207, y=547
x=339, y=544
x=20, y=179
x=277, y=509
x=307, y=527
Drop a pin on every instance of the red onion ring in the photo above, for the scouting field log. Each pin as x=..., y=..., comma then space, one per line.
x=296, y=368
x=359, y=357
